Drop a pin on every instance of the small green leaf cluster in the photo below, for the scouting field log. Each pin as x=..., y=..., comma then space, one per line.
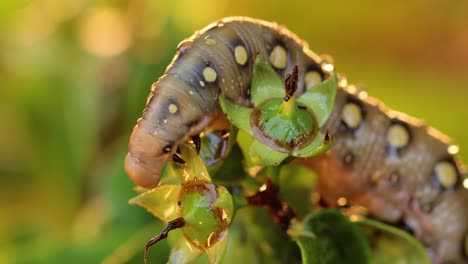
x=279, y=125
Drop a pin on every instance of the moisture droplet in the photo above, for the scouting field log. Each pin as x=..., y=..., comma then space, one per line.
x=328, y=67
x=220, y=24
x=184, y=46
x=210, y=41
x=453, y=149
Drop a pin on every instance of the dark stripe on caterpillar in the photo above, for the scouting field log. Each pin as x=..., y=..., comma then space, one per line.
x=396, y=166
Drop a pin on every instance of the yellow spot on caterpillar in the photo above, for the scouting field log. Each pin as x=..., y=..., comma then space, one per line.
x=202, y=83
x=398, y=136
x=312, y=78
x=173, y=108
x=453, y=149
x=240, y=55
x=278, y=57
x=446, y=174
x=351, y=115
x=209, y=74
x=165, y=121
x=190, y=92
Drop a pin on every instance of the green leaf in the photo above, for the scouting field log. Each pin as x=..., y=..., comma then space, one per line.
x=255, y=238
x=237, y=114
x=231, y=169
x=264, y=156
x=200, y=219
x=222, y=156
x=297, y=183
x=216, y=146
x=393, y=245
x=225, y=203
x=256, y=153
x=245, y=140
x=265, y=82
x=194, y=168
x=321, y=99
x=337, y=240
x=286, y=129
x=183, y=251
x=217, y=251
x=161, y=201
x=207, y=211
x=317, y=147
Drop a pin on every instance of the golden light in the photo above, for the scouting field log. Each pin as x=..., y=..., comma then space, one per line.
x=342, y=201
x=453, y=149
x=355, y=218
x=104, y=32
x=465, y=183
x=32, y=25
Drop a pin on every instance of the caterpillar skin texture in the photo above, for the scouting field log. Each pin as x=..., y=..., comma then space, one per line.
x=184, y=101
x=398, y=168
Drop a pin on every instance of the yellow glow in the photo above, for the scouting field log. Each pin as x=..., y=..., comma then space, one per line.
x=355, y=218
x=342, y=201
x=328, y=67
x=202, y=12
x=104, y=32
x=61, y=10
x=32, y=26
x=465, y=183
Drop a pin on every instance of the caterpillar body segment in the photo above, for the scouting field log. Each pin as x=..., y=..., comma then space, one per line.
x=218, y=59
x=400, y=169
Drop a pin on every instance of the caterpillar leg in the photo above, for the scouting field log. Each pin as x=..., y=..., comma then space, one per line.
x=197, y=141
x=177, y=159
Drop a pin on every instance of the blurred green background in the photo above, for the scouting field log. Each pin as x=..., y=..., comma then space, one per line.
x=75, y=75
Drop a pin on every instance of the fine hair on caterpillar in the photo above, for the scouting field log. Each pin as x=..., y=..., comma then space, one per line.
x=400, y=169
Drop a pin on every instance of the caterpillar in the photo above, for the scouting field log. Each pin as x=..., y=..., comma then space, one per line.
x=401, y=170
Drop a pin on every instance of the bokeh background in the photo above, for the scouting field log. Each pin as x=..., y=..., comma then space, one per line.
x=75, y=74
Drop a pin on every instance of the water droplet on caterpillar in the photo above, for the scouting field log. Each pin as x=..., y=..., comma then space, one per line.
x=184, y=46
x=328, y=67
x=453, y=149
x=210, y=41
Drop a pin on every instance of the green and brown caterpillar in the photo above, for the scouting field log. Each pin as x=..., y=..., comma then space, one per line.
x=400, y=169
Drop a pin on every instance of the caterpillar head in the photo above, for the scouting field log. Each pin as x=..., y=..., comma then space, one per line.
x=146, y=157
